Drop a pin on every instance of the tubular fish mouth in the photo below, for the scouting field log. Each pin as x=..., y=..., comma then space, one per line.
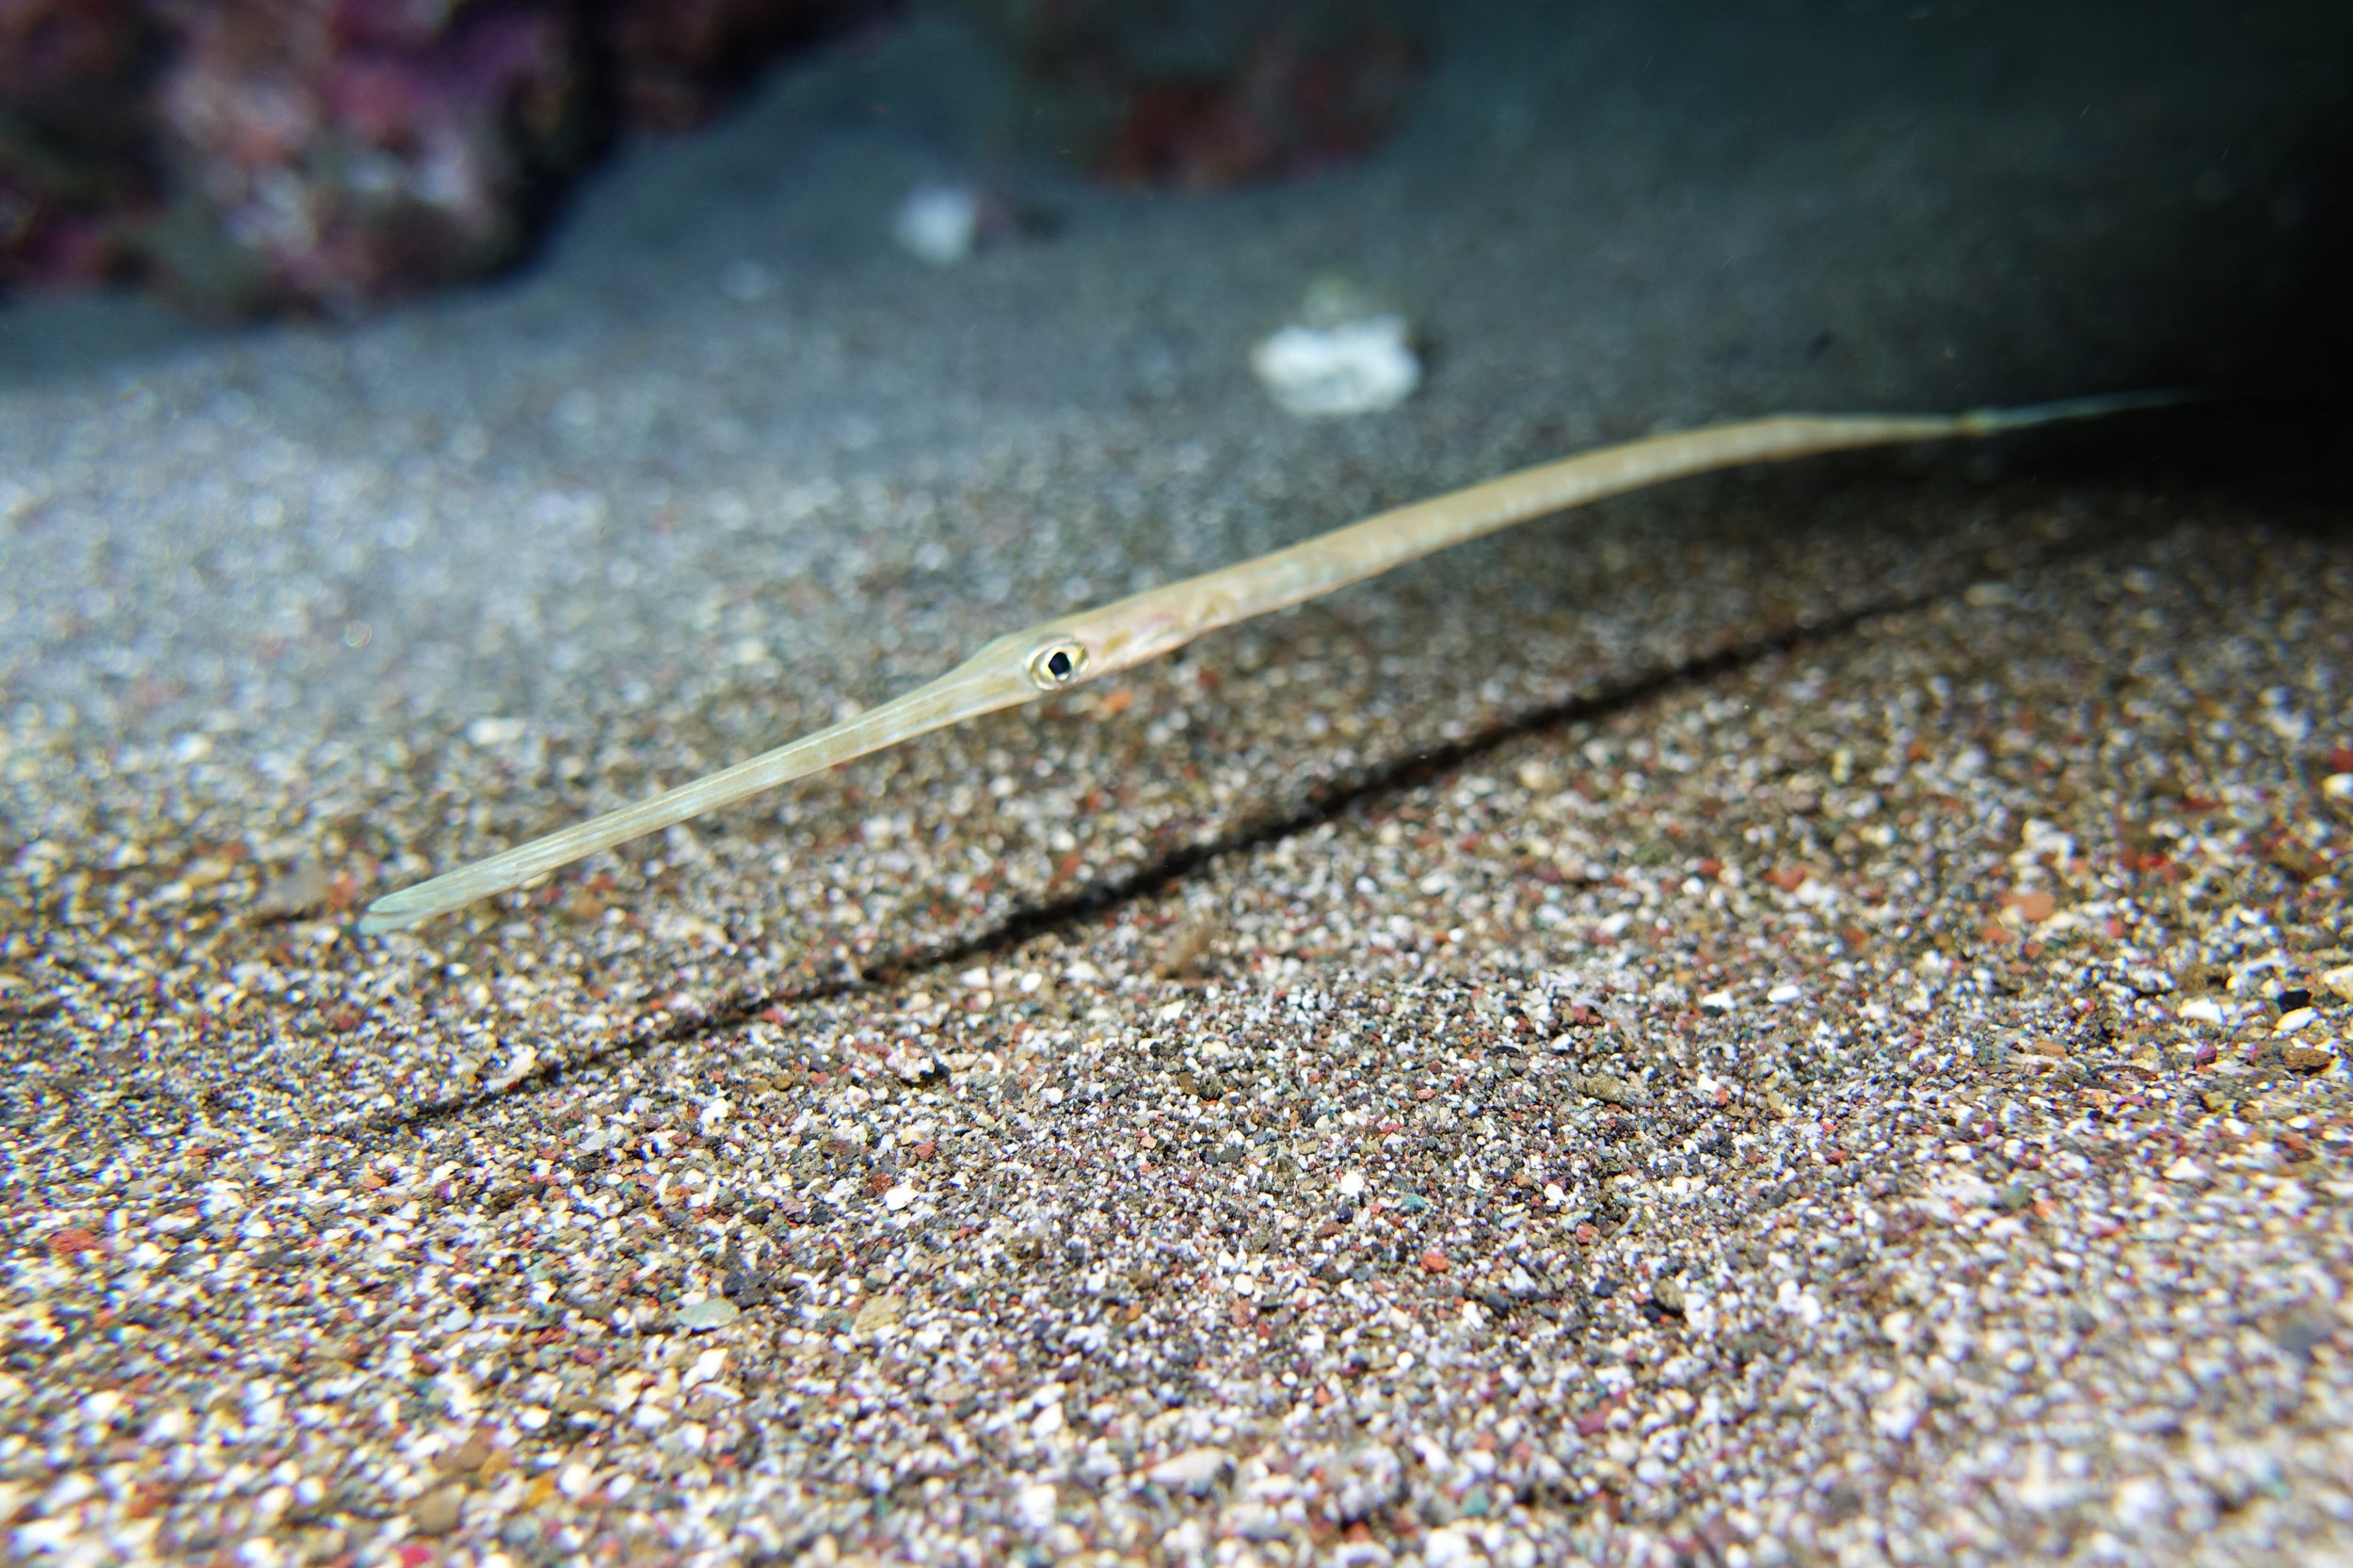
x=1026, y=666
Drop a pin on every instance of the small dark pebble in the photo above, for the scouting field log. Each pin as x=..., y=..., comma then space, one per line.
x=2290, y=1000
x=742, y=1284
x=1605, y=1286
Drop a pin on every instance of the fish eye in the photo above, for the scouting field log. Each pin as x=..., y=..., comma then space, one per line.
x=1057, y=665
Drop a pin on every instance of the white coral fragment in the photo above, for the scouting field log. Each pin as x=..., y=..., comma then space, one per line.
x=1349, y=367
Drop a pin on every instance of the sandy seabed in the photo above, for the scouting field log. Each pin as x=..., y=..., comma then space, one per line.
x=1793, y=1018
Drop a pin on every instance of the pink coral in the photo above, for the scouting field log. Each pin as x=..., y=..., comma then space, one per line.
x=1211, y=92
x=73, y=167
x=1287, y=113
x=344, y=152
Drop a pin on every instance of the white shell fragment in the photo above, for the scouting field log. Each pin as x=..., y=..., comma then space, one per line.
x=939, y=224
x=700, y=1317
x=1195, y=1470
x=1349, y=367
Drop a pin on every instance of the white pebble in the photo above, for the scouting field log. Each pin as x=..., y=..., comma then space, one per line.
x=1033, y=1505
x=494, y=732
x=939, y=224
x=1452, y=1545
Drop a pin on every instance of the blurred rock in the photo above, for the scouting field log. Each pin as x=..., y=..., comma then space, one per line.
x=329, y=154
x=75, y=164
x=1199, y=94
x=324, y=156
x=679, y=62
x=308, y=156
